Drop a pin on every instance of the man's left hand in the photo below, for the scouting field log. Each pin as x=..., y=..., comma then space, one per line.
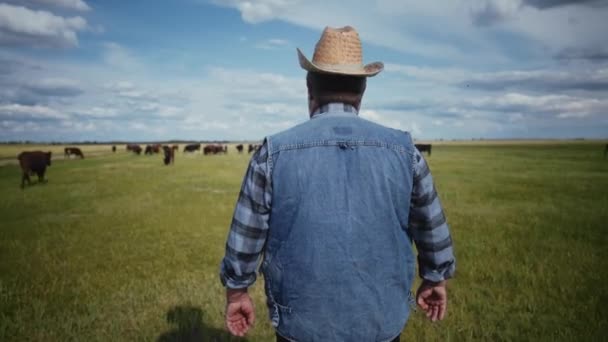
x=240, y=314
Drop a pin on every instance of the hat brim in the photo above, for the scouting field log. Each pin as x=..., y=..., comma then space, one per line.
x=368, y=70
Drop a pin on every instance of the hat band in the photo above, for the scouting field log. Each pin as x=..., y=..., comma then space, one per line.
x=339, y=67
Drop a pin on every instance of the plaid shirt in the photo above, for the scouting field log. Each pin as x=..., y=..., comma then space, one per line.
x=249, y=228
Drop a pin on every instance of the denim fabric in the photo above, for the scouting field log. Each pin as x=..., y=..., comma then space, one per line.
x=338, y=263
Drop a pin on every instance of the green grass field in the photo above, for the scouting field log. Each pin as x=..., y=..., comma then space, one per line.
x=118, y=247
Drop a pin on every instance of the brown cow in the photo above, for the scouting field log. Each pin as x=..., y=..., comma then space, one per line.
x=215, y=149
x=33, y=162
x=134, y=148
x=130, y=147
x=424, y=147
x=114, y=148
x=68, y=151
x=239, y=148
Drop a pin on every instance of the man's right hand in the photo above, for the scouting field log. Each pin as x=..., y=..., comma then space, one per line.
x=433, y=299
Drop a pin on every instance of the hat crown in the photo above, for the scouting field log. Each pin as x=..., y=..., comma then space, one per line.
x=338, y=46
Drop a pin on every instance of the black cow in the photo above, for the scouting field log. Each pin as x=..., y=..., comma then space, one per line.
x=254, y=147
x=33, y=162
x=169, y=157
x=424, y=147
x=68, y=151
x=192, y=147
x=606, y=151
x=148, y=149
x=114, y=148
x=239, y=148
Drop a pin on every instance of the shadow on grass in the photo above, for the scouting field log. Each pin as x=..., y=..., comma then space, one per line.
x=189, y=327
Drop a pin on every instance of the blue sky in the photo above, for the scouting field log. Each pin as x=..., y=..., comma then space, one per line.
x=227, y=69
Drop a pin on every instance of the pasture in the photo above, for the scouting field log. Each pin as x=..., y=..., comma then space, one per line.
x=118, y=247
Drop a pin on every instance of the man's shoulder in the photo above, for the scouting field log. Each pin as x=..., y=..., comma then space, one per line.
x=289, y=132
x=397, y=134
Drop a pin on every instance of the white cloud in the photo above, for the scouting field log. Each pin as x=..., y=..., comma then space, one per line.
x=558, y=105
x=98, y=112
x=489, y=12
x=260, y=10
x=446, y=29
x=588, y=77
x=431, y=74
x=78, y=5
x=23, y=112
x=23, y=26
x=393, y=119
x=272, y=44
x=118, y=56
x=55, y=87
x=75, y=5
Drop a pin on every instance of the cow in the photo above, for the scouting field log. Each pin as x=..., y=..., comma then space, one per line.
x=134, y=148
x=34, y=162
x=215, y=149
x=253, y=148
x=131, y=147
x=169, y=153
x=424, y=147
x=149, y=149
x=239, y=148
x=113, y=148
x=156, y=148
x=174, y=148
x=192, y=148
x=68, y=151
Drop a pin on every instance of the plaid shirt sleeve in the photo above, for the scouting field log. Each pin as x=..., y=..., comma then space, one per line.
x=249, y=227
x=428, y=226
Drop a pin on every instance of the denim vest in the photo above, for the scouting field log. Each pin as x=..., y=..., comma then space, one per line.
x=338, y=263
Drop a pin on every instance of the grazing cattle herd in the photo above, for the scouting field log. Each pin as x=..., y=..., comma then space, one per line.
x=36, y=162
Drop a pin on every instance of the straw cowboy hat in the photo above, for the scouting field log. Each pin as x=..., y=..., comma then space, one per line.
x=339, y=52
